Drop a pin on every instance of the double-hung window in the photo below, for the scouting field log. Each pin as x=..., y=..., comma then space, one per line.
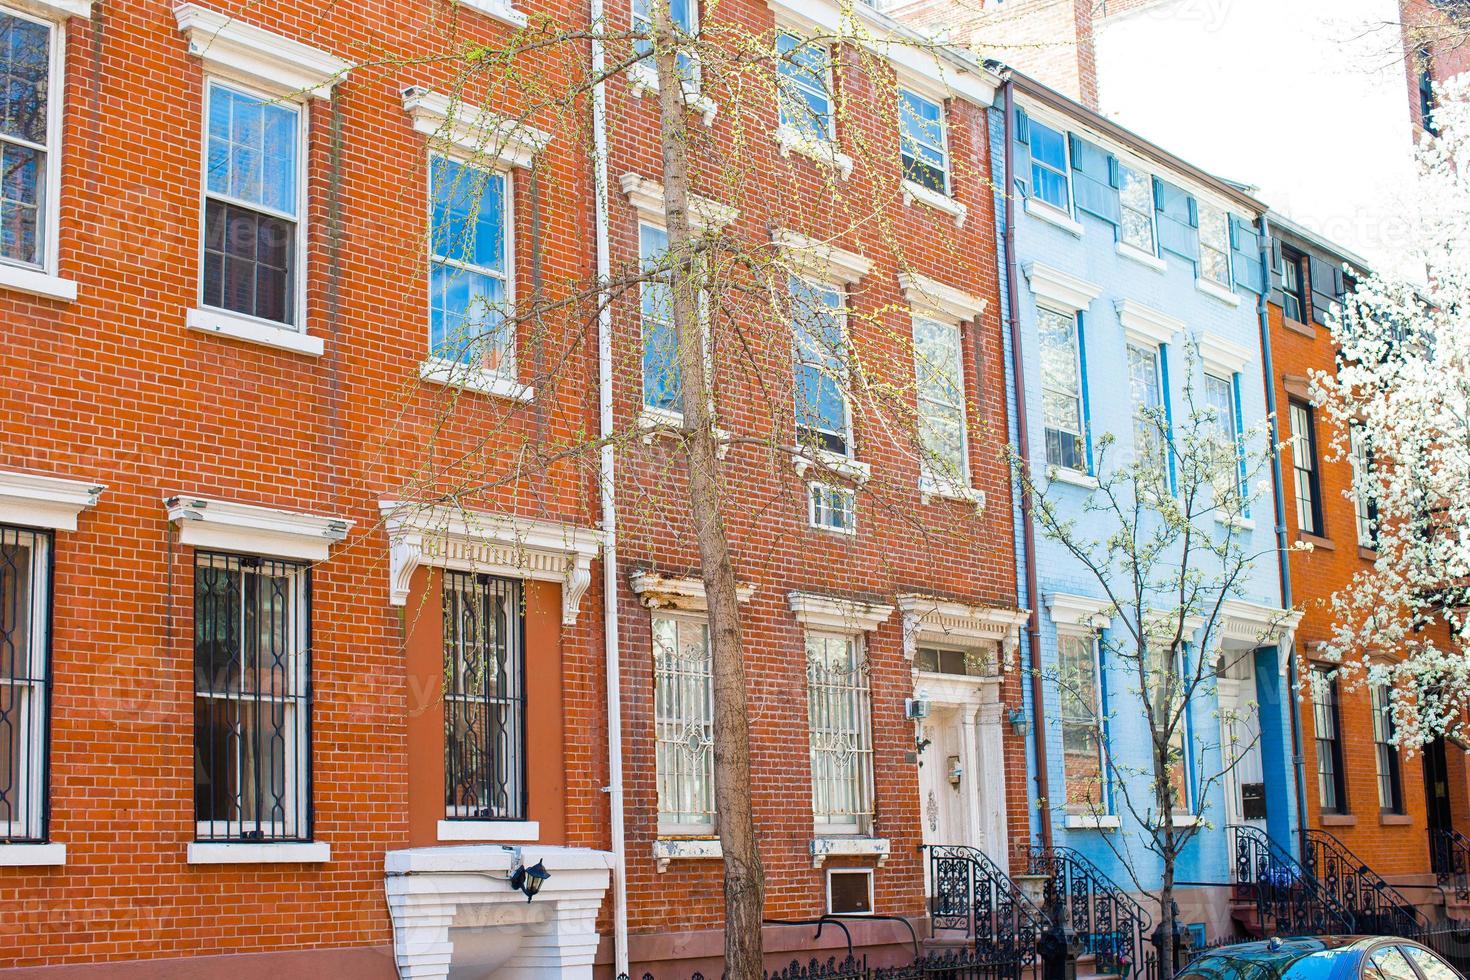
x=1386, y=752
x=922, y=145
x=684, y=15
x=469, y=285
x=1214, y=245
x=684, y=726
x=484, y=698
x=1167, y=701
x=253, y=244
x=1061, y=390
x=1293, y=285
x=1081, y=710
x=818, y=318
x=940, y=385
x=1365, y=501
x=29, y=111
x=662, y=389
x=840, y=733
x=1306, y=480
x=803, y=87
x=1226, y=477
x=1150, y=422
x=252, y=698
x=1049, y=167
x=25, y=611
x=1136, y=197
x=1326, y=720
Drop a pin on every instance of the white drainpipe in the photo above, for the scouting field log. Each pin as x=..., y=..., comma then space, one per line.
x=608, y=498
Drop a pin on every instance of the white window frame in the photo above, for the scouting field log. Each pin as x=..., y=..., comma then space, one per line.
x=1043, y=309
x=1229, y=381
x=669, y=828
x=905, y=91
x=828, y=88
x=819, y=508
x=1185, y=731
x=867, y=872
x=31, y=823
x=1088, y=635
x=844, y=380
x=959, y=482
x=474, y=376
x=861, y=824
x=298, y=288
x=645, y=75
x=1223, y=249
x=18, y=274
x=1151, y=214
x=1362, y=469
x=1135, y=414
x=1063, y=131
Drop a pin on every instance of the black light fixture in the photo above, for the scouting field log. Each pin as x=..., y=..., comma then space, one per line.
x=529, y=880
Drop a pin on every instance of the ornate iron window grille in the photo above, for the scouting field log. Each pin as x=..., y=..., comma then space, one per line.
x=252, y=699
x=484, y=698
x=25, y=688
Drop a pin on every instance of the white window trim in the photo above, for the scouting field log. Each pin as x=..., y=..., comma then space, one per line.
x=1094, y=821
x=1062, y=218
x=647, y=198
x=814, y=259
x=1136, y=254
x=57, y=10
x=846, y=465
x=32, y=855
x=919, y=194
x=1147, y=327
x=442, y=370
x=867, y=872
x=938, y=301
x=1085, y=629
x=1217, y=291
x=811, y=508
x=49, y=502
x=292, y=335
x=1053, y=216
x=1127, y=249
x=803, y=40
x=643, y=76
x=669, y=831
x=471, y=133
x=1227, y=287
x=315, y=852
x=500, y=10
x=224, y=525
x=923, y=93
x=1067, y=474
x=930, y=620
x=1221, y=357
x=1060, y=290
x=666, y=849
x=43, y=278
x=243, y=53
x=929, y=306
x=466, y=540
x=523, y=831
x=673, y=593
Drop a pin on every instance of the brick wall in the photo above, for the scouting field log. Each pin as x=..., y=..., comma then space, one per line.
x=1444, y=36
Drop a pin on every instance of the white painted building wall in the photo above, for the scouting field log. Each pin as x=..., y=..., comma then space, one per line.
x=1305, y=99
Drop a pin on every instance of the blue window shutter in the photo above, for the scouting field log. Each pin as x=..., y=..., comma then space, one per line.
x=1193, y=212
x=1091, y=184
x=1023, y=127
x=1115, y=178
x=1021, y=154
x=1245, y=246
x=1326, y=283
x=1276, y=280
x=1177, y=220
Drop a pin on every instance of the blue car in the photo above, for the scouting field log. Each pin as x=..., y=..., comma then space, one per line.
x=1323, y=958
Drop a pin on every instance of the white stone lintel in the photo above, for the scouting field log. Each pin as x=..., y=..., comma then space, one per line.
x=51, y=502
x=226, y=525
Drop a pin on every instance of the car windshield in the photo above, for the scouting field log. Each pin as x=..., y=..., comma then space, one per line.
x=1284, y=964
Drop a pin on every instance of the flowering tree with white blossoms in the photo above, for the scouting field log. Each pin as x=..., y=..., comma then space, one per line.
x=1400, y=408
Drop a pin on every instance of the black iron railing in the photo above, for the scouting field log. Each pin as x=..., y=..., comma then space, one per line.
x=1376, y=906
x=1288, y=898
x=1450, y=857
x=1106, y=921
x=969, y=893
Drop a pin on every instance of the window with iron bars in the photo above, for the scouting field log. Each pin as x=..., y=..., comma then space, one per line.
x=252, y=698
x=841, y=734
x=25, y=628
x=484, y=698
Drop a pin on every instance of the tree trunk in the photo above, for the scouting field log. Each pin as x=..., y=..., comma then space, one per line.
x=744, y=879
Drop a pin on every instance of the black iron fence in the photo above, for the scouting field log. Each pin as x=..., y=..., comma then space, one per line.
x=948, y=965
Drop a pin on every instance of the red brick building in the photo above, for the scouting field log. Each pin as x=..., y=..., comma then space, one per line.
x=304, y=567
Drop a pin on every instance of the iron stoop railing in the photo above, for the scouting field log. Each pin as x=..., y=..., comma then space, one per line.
x=1450, y=857
x=1377, y=907
x=1105, y=920
x=970, y=893
x=1289, y=900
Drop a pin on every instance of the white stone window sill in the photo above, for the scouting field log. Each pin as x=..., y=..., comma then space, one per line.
x=831, y=464
x=1085, y=821
x=456, y=375
x=1051, y=215
x=656, y=422
x=790, y=140
x=1235, y=521
x=685, y=849
x=207, y=853
x=929, y=489
x=251, y=330
x=1136, y=254
x=502, y=12
x=31, y=855
x=489, y=830
x=1217, y=291
x=37, y=283
x=918, y=193
x=1065, y=474
x=830, y=847
x=1180, y=820
x=644, y=80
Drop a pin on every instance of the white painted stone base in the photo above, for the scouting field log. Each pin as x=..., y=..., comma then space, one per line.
x=456, y=917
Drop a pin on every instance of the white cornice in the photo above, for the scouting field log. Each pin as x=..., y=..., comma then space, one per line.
x=842, y=615
x=647, y=196
x=1222, y=357
x=816, y=258
x=1053, y=287
x=231, y=526
x=929, y=619
x=1252, y=625
x=469, y=128
x=229, y=46
x=1078, y=610
x=1146, y=325
x=477, y=541
x=57, y=9
x=932, y=298
x=44, y=501
x=666, y=592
